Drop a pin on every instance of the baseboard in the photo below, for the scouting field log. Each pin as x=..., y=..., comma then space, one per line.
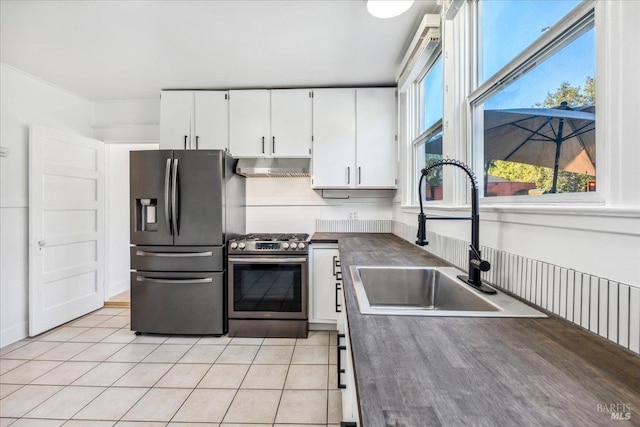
x=322, y=326
x=14, y=333
x=117, y=304
x=118, y=287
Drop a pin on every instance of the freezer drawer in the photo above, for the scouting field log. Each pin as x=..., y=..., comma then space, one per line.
x=178, y=303
x=177, y=258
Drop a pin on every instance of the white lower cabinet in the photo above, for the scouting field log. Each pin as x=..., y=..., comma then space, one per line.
x=344, y=366
x=325, y=282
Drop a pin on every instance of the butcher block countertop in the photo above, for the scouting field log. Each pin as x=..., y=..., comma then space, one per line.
x=423, y=371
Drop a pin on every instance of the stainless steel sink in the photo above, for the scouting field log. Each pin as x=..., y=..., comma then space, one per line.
x=429, y=291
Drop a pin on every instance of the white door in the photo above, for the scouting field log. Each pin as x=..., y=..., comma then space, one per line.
x=290, y=123
x=376, y=138
x=175, y=120
x=249, y=123
x=334, y=138
x=211, y=120
x=66, y=227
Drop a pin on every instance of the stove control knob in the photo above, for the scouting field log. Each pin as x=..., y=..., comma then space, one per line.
x=234, y=245
x=241, y=245
x=301, y=245
x=294, y=245
x=285, y=245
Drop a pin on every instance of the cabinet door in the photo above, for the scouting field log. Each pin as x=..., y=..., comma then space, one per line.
x=290, y=123
x=324, y=284
x=175, y=119
x=211, y=121
x=334, y=138
x=249, y=123
x=376, y=138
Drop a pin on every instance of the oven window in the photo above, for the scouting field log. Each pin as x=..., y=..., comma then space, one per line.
x=267, y=287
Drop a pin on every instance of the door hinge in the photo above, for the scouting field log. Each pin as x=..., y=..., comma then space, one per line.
x=226, y=96
x=311, y=140
x=309, y=150
x=396, y=136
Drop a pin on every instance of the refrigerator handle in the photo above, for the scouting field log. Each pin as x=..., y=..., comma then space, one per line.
x=175, y=198
x=167, y=177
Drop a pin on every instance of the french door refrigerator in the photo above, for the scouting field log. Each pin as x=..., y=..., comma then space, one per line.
x=185, y=205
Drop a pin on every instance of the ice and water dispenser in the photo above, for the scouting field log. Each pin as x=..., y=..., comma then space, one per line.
x=146, y=215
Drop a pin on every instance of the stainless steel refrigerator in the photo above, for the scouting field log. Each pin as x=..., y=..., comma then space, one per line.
x=185, y=205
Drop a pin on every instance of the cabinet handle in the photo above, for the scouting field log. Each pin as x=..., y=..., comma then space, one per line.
x=339, y=275
x=335, y=259
x=338, y=306
x=273, y=144
x=197, y=138
x=340, y=370
x=263, y=145
x=359, y=174
x=348, y=174
x=185, y=142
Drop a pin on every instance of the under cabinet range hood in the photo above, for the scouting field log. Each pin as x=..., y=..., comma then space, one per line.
x=274, y=168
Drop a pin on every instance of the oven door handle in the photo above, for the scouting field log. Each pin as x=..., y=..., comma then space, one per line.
x=274, y=260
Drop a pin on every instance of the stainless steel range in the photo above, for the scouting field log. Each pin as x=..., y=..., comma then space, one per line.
x=268, y=285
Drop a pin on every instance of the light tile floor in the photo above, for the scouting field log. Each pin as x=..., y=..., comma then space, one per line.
x=95, y=372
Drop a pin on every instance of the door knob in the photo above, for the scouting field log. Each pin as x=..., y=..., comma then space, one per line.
x=41, y=243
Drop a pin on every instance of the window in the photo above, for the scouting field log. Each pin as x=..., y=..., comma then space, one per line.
x=427, y=147
x=534, y=113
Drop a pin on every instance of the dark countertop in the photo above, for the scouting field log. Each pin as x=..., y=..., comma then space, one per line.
x=320, y=237
x=419, y=371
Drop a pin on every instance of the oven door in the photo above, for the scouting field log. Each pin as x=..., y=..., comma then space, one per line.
x=264, y=287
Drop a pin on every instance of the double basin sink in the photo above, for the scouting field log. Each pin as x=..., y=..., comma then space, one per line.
x=429, y=291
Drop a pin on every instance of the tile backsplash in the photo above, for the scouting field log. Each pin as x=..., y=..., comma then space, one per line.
x=354, y=226
x=602, y=306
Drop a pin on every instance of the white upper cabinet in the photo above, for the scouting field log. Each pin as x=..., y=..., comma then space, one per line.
x=291, y=123
x=354, y=138
x=376, y=148
x=175, y=119
x=194, y=120
x=211, y=120
x=270, y=123
x=334, y=138
x=249, y=130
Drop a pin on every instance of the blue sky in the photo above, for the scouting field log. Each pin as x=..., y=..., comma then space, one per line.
x=509, y=27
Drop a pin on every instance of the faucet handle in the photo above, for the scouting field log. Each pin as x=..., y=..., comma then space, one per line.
x=480, y=264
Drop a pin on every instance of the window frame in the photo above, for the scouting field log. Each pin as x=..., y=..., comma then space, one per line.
x=578, y=21
x=415, y=102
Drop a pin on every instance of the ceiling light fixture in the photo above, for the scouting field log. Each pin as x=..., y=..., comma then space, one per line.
x=388, y=8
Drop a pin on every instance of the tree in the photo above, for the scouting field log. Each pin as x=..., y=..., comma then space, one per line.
x=568, y=182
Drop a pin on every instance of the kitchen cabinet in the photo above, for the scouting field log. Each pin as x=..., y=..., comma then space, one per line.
x=291, y=130
x=270, y=123
x=334, y=138
x=354, y=138
x=249, y=127
x=325, y=282
x=194, y=120
x=376, y=138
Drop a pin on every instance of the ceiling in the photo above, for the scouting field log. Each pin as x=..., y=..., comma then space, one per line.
x=116, y=50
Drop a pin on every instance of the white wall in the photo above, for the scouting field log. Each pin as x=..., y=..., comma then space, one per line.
x=277, y=205
x=25, y=100
x=117, y=266
x=124, y=126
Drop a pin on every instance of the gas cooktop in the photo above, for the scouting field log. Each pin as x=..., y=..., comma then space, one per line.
x=273, y=243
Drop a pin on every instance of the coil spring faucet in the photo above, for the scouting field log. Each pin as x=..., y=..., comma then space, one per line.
x=476, y=263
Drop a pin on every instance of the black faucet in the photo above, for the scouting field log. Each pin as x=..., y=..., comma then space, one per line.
x=476, y=263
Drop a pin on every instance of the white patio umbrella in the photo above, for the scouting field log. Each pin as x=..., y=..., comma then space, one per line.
x=560, y=138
